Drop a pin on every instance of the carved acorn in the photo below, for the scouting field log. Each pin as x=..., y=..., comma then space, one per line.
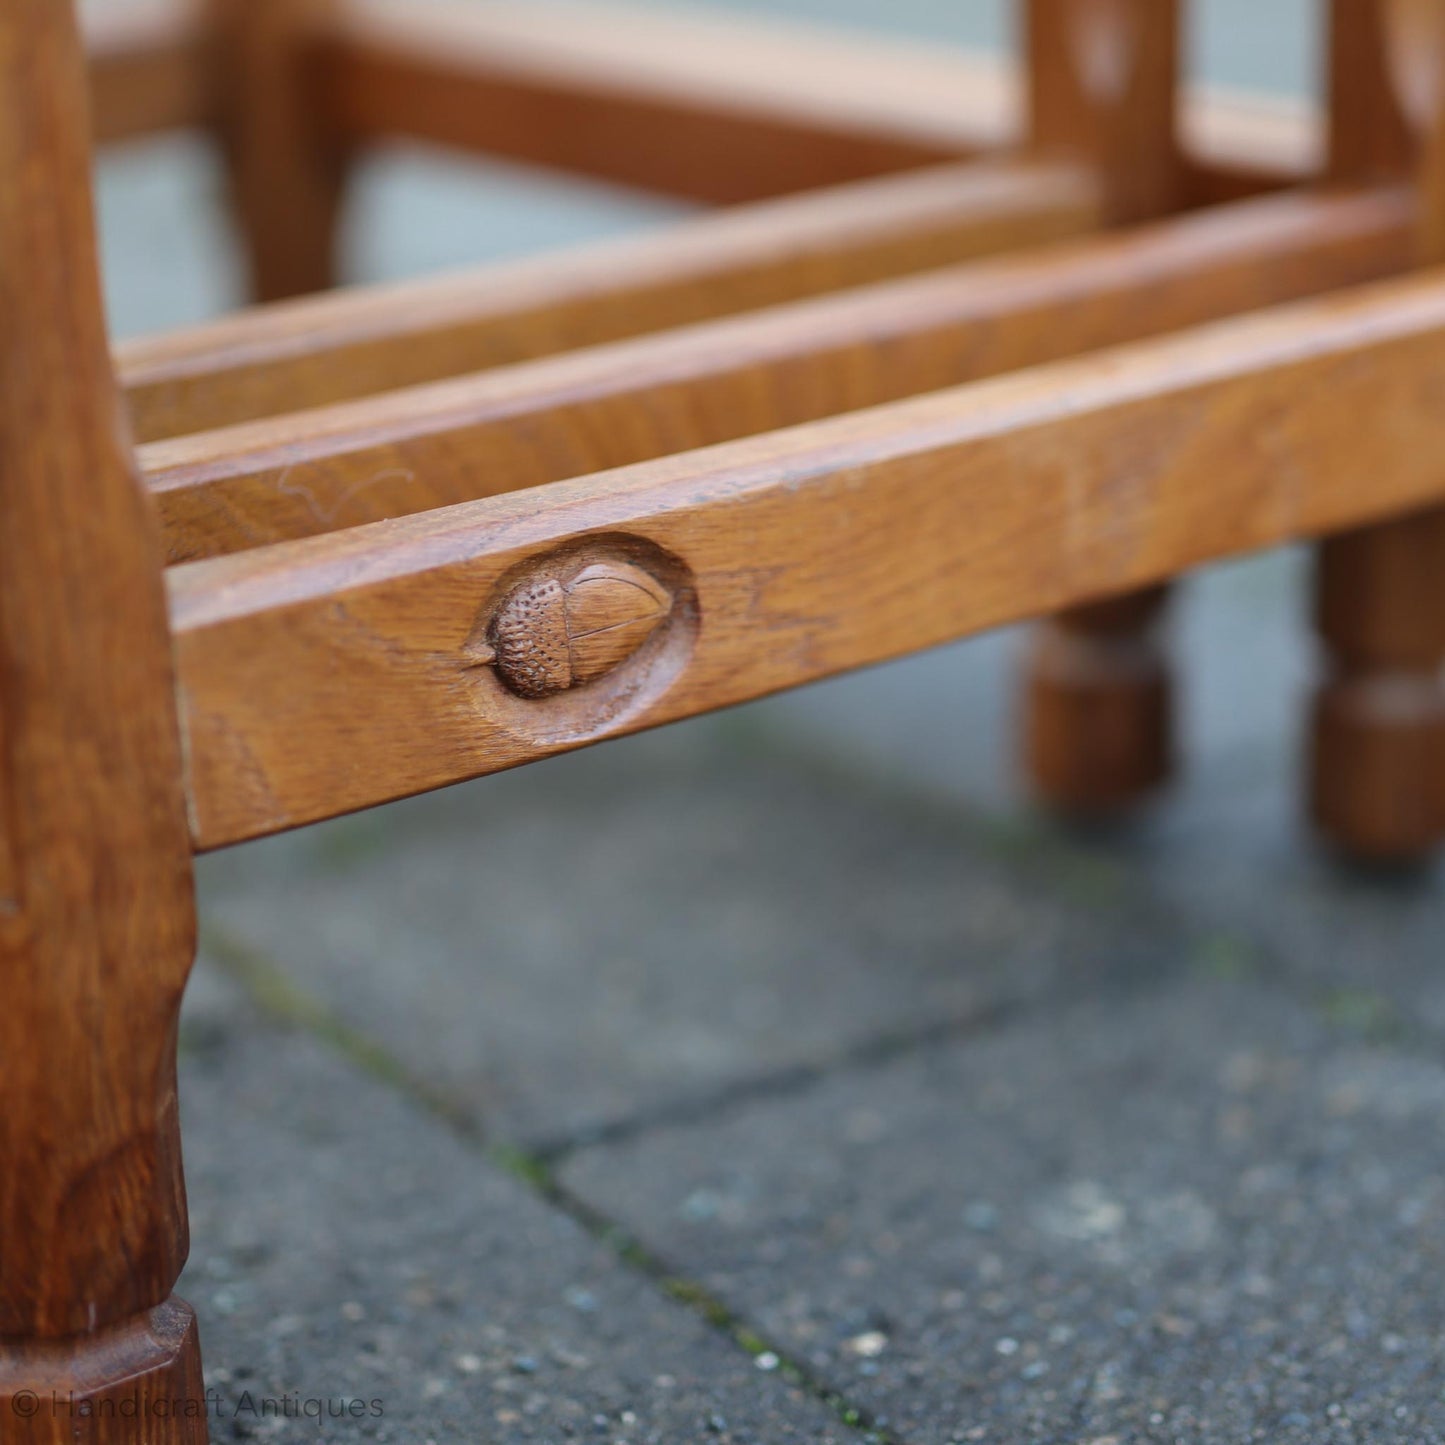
x=552, y=632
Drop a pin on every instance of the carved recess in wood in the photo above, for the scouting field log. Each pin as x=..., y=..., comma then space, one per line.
x=577, y=641
x=556, y=632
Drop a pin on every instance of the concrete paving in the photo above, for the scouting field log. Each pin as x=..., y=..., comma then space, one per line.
x=632, y=932
x=978, y=1134
x=362, y=1272
x=1198, y=1213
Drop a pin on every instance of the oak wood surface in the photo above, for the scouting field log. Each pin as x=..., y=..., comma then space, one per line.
x=149, y=67
x=286, y=162
x=609, y=406
x=1379, y=720
x=98, y=940
x=152, y=75
x=691, y=105
x=9, y=863
x=332, y=348
x=331, y=673
x=1104, y=90
x=761, y=101
x=1099, y=728
x=1377, y=748
x=136, y=1383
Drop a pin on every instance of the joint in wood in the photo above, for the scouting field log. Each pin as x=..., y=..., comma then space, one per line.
x=1378, y=754
x=137, y=1383
x=1100, y=706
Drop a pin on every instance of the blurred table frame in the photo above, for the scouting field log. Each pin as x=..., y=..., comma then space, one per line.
x=961, y=347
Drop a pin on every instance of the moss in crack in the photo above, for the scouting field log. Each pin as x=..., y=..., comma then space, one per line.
x=539, y=1175
x=280, y=1000
x=1225, y=957
x=1372, y=1016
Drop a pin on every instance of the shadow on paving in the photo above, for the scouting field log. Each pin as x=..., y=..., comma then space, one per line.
x=627, y=934
x=353, y=1255
x=961, y=1120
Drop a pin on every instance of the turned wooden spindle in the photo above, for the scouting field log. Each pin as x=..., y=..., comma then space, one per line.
x=1101, y=725
x=97, y=921
x=1377, y=768
x=1379, y=721
x=1098, y=694
x=287, y=170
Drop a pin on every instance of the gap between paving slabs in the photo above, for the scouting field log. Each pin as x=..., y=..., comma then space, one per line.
x=1030, y=848
x=291, y=1007
x=283, y=1003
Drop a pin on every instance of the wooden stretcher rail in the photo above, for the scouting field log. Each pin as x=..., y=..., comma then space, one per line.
x=426, y=447
x=148, y=68
x=713, y=108
x=354, y=343
x=722, y=109
x=325, y=675
x=717, y=111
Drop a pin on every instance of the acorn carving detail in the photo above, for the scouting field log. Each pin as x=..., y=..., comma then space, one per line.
x=553, y=633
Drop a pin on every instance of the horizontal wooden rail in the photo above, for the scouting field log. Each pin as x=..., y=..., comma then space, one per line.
x=148, y=67
x=721, y=109
x=1238, y=144
x=710, y=108
x=353, y=343
x=426, y=447
x=727, y=109
x=328, y=674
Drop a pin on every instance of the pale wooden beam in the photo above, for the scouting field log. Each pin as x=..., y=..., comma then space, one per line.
x=356, y=343
x=149, y=68
x=515, y=427
x=328, y=674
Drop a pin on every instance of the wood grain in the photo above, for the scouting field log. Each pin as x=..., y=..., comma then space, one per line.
x=692, y=106
x=152, y=74
x=286, y=161
x=1104, y=90
x=9, y=863
x=149, y=68
x=609, y=406
x=333, y=348
x=1379, y=721
x=1387, y=101
x=94, y=956
x=1378, y=730
x=138, y=1383
x=1098, y=727
x=332, y=673
x=730, y=108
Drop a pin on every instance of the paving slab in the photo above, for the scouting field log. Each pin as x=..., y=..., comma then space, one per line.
x=350, y=1254
x=623, y=935
x=1363, y=945
x=1200, y=1215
